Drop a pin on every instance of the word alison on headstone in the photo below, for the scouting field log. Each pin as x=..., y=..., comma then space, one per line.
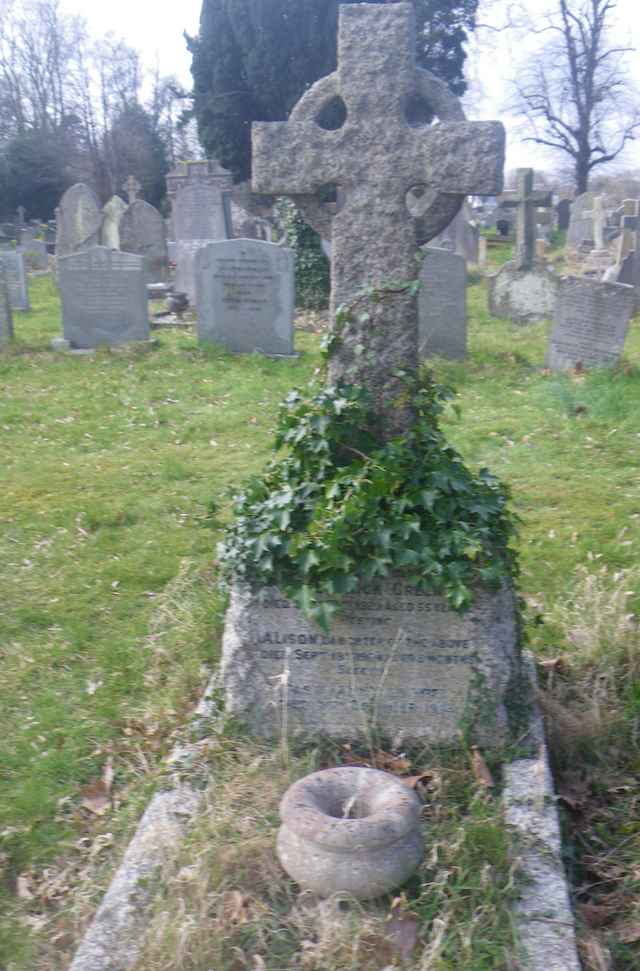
x=245, y=296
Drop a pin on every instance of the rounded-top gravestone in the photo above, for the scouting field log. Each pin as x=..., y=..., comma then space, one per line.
x=78, y=220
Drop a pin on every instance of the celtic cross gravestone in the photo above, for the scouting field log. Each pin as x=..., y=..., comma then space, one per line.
x=390, y=171
x=527, y=200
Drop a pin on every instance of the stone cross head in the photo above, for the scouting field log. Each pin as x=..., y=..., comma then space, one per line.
x=527, y=200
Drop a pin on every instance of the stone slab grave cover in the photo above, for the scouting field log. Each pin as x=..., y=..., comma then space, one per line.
x=142, y=232
x=113, y=211
x=442, y=305
x=104, y=298
x=393, y=655
x=6, y=319
x=245, y=296
x=13, y=261
x=78, y=220
x=590, y=323
x=524, y=290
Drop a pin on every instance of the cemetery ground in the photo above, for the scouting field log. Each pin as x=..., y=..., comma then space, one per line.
x=115, y=478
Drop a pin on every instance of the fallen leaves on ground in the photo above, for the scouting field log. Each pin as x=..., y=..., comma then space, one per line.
x=96, y=796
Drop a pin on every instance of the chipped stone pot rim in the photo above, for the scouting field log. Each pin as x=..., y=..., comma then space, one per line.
x=392, y=809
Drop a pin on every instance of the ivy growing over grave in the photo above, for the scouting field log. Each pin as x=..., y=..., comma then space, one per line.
x=339, y=508
x=311, y=265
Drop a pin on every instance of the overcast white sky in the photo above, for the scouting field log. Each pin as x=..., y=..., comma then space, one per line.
x=155, y=29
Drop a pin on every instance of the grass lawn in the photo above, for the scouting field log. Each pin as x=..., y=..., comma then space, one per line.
x=110, y=619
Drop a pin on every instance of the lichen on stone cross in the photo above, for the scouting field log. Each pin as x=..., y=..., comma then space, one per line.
x=527, y=199
x=385, y=168
x=132, y=188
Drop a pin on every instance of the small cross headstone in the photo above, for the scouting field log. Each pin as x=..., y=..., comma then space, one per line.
x=590, y=323
x=104, y=298
x=245, y=296
x=442, y=305
x=394, y=656
x=13, y=261
x=527, y=200
x=599, y=217
x=132, y=188
x=6, y=320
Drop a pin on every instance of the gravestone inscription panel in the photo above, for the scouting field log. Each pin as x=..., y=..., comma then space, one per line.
x=104, y=299
x=13, y=261
x=590, y=323
x=6, y=320
x=442, y=305
x=199, y=213
x=245, y=296
x=397, y=658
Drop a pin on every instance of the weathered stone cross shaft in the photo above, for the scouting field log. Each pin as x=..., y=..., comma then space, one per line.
x=527, y=199
x=380, y=161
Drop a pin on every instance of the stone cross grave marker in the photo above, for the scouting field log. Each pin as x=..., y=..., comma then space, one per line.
x=132, y=187
x=6, y=320
x=590, y=323
x=395, y=656
x=442, y=305
x=388, y=171
x=599, y=217
x=527, y=200
x=104, y=298
x=245, y=296
x=13, y=261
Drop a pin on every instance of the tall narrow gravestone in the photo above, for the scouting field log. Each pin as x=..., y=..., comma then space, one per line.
x=395, y=657
x=13, y=261
x=590, y=324
x=104, y=300
x=442, y=305
x=6, y=320
x=245, y=296
x=141, y=231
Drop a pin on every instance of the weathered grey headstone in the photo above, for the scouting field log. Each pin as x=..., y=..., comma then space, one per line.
x=245, y=296
x=523, y=296
x=142, y=232
x=442, y=305
x=113, y=211
x=526, y=199
x=35, y=254
x=590, y=323
x=78, y=221
x=563, y=213
x=199, y=213
x=6, y=320
x=104, y=299
x=398, y=660
x=580, y=224
x=185, y=258
x=13, y=261
x=395, y=658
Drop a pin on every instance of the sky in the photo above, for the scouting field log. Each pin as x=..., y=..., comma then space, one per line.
x=155, y=29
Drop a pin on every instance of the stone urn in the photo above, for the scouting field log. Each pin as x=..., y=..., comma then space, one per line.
x=350, y=830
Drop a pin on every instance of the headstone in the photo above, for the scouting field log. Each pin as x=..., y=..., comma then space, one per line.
x=563, y=213
x=113, y=211
x=13, y=261
x=36, y=256
x=142, y=232
x=460, y=237
x=245, y=296
x=104, y=299
x=527, y=200
x=6, y=320
x=598, y=218
x=442, y=305
x=590, y=323
x=523, y=296
x=629, y=271
x=78, y=221
x=132, y=188
x=581, y=225
x=185, y=259
x=395, y=656
x=199, y=213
